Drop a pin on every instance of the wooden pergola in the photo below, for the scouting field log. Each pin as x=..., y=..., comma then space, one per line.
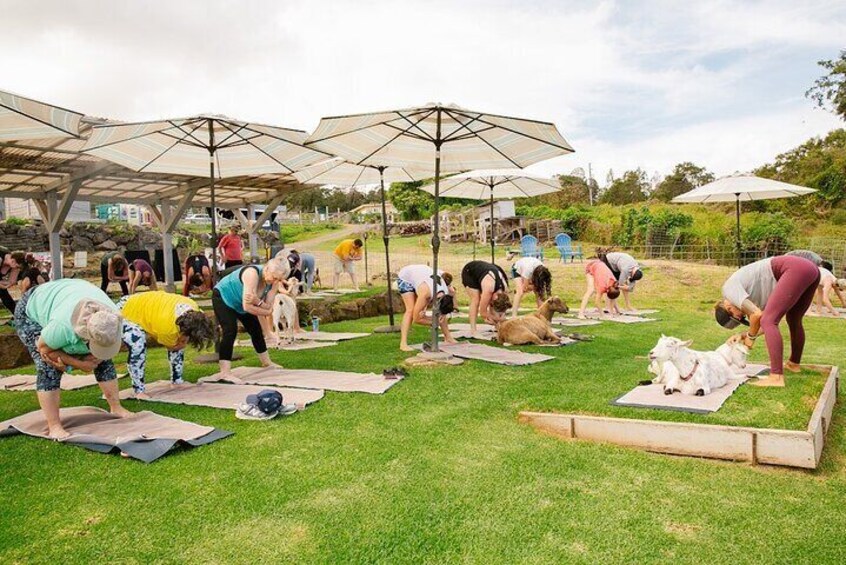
x=54, y=173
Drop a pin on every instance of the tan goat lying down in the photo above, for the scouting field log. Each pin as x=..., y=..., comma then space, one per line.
x=534, y=328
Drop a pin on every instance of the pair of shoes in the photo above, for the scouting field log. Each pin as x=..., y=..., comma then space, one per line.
x=394, y=373
x=287, y=409
x=252, y=412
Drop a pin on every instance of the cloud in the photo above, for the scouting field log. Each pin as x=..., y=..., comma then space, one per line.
x=628, y=83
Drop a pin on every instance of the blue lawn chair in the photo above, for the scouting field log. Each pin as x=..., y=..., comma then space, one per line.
x=529, y=247
x=565, y=247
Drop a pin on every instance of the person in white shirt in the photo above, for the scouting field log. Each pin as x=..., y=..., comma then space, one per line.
x=829, y=283
x=414, y=283
x=627, y=271
x=530, y=275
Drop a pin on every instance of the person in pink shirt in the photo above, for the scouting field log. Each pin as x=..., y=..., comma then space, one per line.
x=231, y=248
x=602, y=282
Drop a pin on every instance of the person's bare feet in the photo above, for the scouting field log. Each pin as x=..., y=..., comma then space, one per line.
x=770, y=381
x=58, y=433
x=272, y=365
x=406, y=348
x=230, y=378
x=121, y=412
x=450, y=341
x=793, y=367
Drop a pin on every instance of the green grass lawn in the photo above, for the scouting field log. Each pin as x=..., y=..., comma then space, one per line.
x=292, y=233
x=439, y=470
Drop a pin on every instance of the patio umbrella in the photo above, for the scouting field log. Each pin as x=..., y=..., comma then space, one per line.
x=495, y=185
x=454, y=138
x=212, y=145
x=339, y=172
x=739, y=188
x=22, y=118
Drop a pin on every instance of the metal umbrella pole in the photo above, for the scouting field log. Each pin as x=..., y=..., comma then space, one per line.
x=737, y=233
x=493, y=244
x=211, y=191
x=436, y=239
x=390, y=328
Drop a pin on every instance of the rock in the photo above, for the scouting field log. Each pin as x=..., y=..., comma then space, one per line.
x=79, y=243
x=64, y=233
x=29, y=231
x=107, y=245
x=13, y=354
x=97, y=236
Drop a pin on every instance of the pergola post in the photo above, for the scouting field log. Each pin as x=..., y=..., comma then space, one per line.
x=53, y=213
x=252, y=235
x=166, y=217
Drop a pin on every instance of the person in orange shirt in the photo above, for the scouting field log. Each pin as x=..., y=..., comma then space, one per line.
x=602, y=282
x=231, y=248
x=346, y=254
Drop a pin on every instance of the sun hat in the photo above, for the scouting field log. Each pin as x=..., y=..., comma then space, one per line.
x=100, y=326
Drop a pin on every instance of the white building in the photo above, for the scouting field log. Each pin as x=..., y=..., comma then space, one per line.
x=375, y=209
x=25, y=209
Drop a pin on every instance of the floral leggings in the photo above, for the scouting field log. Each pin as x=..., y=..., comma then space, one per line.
x=136, y=342
x=48, y=377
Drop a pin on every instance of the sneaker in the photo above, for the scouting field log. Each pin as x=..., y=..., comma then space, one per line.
x=287, y=409
x=252, y=412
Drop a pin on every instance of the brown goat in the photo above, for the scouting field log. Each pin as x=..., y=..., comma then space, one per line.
x=534, y=328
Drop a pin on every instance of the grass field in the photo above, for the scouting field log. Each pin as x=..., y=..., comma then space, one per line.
x=438, y=469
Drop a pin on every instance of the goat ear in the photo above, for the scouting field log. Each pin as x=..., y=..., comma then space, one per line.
x=663, y=336
x=687, y=343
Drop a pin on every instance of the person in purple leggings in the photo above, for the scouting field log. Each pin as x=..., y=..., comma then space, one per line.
x=767, y=291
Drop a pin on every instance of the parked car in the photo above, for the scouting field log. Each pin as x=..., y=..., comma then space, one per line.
x=197, y=219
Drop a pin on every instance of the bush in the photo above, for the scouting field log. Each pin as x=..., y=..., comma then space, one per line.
x=838, y=218
x=770, y=231
x=13, y=221
x=574, y=219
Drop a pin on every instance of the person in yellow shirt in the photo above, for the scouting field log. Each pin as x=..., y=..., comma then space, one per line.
x=346, y=254
x=172, y=320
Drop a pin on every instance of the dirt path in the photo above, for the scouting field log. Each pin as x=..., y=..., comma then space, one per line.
x=344, y=232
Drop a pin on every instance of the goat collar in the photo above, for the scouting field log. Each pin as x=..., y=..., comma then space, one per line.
x=692, y=371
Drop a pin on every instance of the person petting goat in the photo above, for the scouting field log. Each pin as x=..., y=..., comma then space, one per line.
x=767, y=291
x=487, y=287
x=530, y=275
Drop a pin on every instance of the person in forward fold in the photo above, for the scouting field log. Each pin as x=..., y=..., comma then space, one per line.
x=345, y=256
x=141, y=272
x=114, y=268
x=530, y=275
x=414, y=283
x=627, y=271
x=487, y=286
x=198, y=275
x=828, y=284
x=760, y=295
x=64, y=324
x=601, y=282
x=11, y=267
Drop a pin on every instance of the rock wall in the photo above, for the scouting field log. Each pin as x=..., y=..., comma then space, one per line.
x=13, y=354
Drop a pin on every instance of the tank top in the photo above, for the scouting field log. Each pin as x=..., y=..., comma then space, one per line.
x=417, y=275
x=478, y=270
x=231, y=288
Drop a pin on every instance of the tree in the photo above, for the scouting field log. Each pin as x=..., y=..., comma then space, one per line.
x=574, y=190
x=685, y=177
x=628, y=189
x=829, y=91
x=410, y=201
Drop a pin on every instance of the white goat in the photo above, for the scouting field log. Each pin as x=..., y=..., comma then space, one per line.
x=687, y=371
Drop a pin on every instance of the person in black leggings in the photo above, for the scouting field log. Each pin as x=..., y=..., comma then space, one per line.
x=114, y=268
x=198, y=275
x=242, y=296
x=487, y=287
x=10, y=270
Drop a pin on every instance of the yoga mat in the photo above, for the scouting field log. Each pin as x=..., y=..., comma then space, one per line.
x=215, y=395
x=826, y=314
x=640, y=311
x=310, y=379
x=652, y=396
x=458, y=327
x=70, y=381
x=574, y=322
x=753, y=370
x=618, y=318
x=482, y=336
x=296, y=346
x=328, y=336
x=481, y=352
x=144, y=435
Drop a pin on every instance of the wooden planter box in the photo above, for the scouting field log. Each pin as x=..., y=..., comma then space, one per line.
x=791, y=448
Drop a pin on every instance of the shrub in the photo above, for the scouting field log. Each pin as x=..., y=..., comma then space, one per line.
x=770, y=231
x=13, y=221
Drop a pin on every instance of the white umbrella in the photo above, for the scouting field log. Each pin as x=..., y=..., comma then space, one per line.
x=207, y=144
x=739, y=188
x=22, y=118
x=454, y=138
x=337, y=171
x=495, y=184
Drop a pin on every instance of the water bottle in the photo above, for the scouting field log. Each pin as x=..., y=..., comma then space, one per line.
x=68, y=369
x=315, y=324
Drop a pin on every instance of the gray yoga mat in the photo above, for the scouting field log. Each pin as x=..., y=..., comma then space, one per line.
x=215, y=395
x=498, y=355
x=144, y=435
x=70, y=381
x=340, y=381
x=652, y=396
x=298, y=345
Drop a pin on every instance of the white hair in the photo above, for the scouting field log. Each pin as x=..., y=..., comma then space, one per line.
x=279, y=269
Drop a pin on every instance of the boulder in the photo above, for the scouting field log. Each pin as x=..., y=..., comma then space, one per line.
x=80, y=243
x=13, y=354
x=108, y=245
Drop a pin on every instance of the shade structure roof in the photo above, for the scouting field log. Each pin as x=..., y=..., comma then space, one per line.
x=743, y=187
x=32, y=169
x=496, y=183
x=22, y=118
x=469, y=139
x=337, y=171
x=182, y=146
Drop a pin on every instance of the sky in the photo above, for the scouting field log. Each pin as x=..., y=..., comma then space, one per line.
x=628, y=83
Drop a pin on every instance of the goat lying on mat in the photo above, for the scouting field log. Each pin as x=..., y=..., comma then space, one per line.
x=534, y=328
x=685, y=370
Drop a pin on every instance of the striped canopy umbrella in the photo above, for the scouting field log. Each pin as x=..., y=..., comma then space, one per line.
x=741, y=187
x=22, y=118
x=338, y=172
x=212, y=145
x=495, y=184
x=454, y=138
